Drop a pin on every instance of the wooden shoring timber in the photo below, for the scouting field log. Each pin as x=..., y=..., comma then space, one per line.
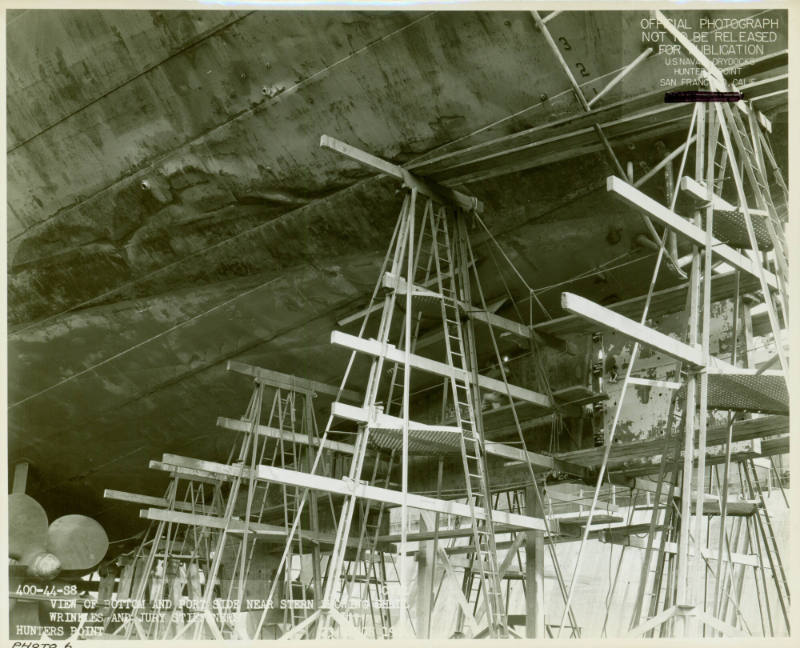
x=348, y=487
x=393, y=354
x=643, y=334
x=643, y=203
x=439, y=193
x=291, y=383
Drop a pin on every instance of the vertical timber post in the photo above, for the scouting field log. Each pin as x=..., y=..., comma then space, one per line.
x=425, y=577
x=534, y=571
x=20, y=483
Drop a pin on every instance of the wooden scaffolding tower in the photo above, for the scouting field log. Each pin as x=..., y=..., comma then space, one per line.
x=332, y=512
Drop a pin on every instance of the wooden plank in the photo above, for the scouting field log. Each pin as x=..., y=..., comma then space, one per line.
x=473, y=312
x=644, y=334
x=189, y=473
x=650, y=486
x=581, y=520
x=647, y=382
x=643, y=203
x=566, y=498
x=466, y=608
x=392, y=353
x=266, y=532
x=668, y=300
x=294, y=383
x=214, y=522
x=425, y=187
x=423, y=536
x=135, y=498
x=378, y=305
x=497, y=321
x=378, y=420
x=672, y=548
x=148, y=500
x=538, y=461
x=237, y=425
x=699, y=193
x=400, y=286
x=348, y=488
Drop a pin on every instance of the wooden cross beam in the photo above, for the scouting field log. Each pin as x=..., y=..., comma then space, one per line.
x=750, y=560
x=293, y=383
x=643, y=203
x=237, y=425
x=359, y=489
x=425, y=187
x=149, y=500
x=393, y=354
x=266, y=532
x=644, y=334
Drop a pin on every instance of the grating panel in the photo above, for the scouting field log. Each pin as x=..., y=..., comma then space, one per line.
x=748, y=393
x=419, y=441
x=730, y=228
